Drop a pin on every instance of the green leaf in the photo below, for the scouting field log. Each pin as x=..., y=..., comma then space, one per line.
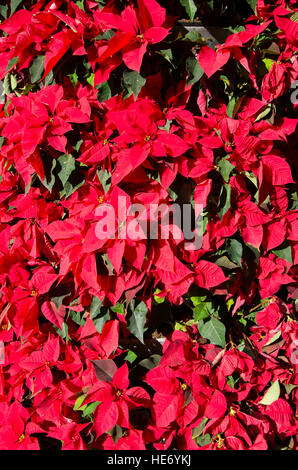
x=190, y=8
x=225, y=262
x=167, y=54
x=202, y=311
x=253, y=4
x=225, y=200
x=225, y=168
x=268, y=63
x=136, y=319
x=90, y=79
x=130, y=357
x=77, y=317
x=6, y=84
x=49, y=78
x=116, y=433
x=235, y=251
x=13, y=82
x=70, y=188
x=105, y=180
x=284, y=253
x=14, y=5
x=99, y=314
x=80, y=4
x=68, y=165
x=197, y=300
x=89, y=409
x=50, y=178
x=204, y=440
x=198, y=430
x=231, y=106
x=79, y=401
x=104, y=92
x=192, y=36
x=1, y=142
x=214, y=330
x=149, y=363
x=71, y=180
x=274, y=338
x=158, y=300
x=265, y=113
x=194, y=70
x=294, y=17
x=118, y=308
x=106, y=35
x=3, y=11
x=74, y=78
x=271, y=395
x=11, y=63
x=95, y=307
x=179, y=327
x=36, y=69
x=133, y=83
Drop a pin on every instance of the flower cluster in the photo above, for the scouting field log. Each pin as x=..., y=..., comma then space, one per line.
x=142, y=343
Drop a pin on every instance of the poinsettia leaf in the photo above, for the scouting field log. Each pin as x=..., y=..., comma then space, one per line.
x=150, y=362
x=104, y=177
x=133, y=82
x=215, y=331
x=14, y=5
x=136, y=318
x=235, y=251
x=284, y=253
x=202, y=311
x=104, y=92
x=4, y=10
x=225, y=168
x=68, y=165
x=36, y=69
x=79, y=401
x=11, y=63
x=225, y=200
x=116, y=433
x=253, y=4
x=95, y=307
x=50, y=177
x=198, y=430
x=89, y=409
x=231, y=106
x=204, y=440
x=271, y=395
x=194, y=70
x=99, y=313
x=167, y=54
x=190, y=8
x=80, y=4
x=75, y=180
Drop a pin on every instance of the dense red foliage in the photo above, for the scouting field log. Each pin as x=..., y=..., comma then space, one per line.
x=92, y=113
